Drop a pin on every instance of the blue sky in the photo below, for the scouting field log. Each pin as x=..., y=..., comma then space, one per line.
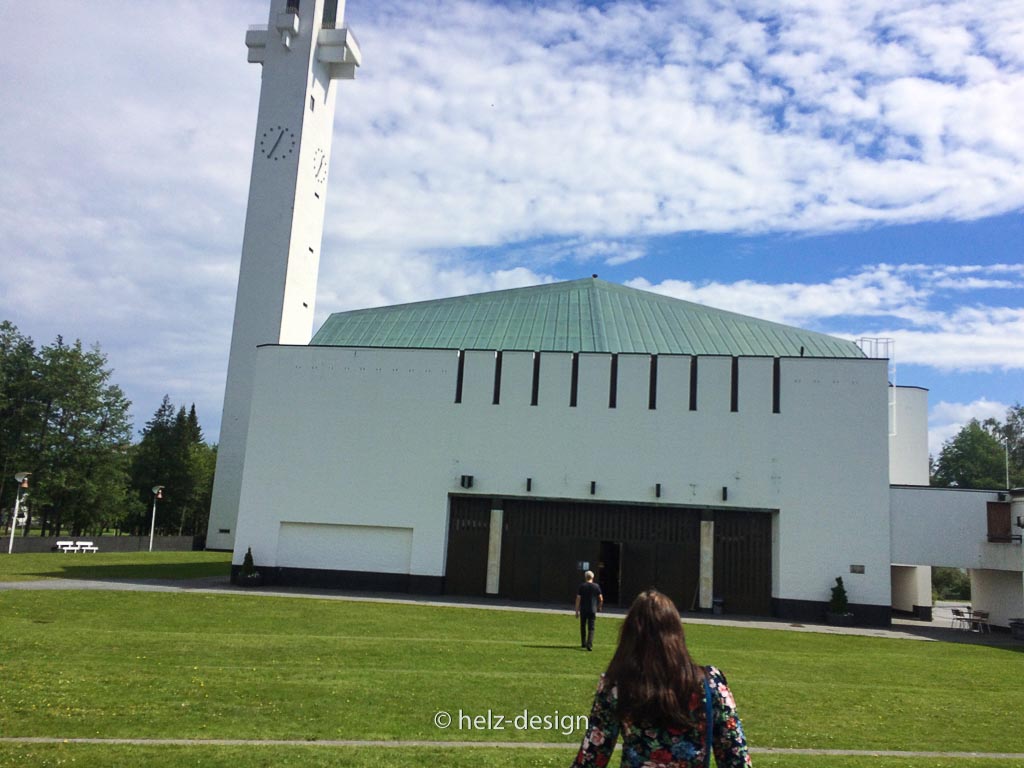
x=854, y=170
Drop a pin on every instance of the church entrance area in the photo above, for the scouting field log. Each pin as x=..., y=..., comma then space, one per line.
x=545, y=545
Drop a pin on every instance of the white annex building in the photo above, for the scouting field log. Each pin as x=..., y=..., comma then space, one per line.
x=501, y=443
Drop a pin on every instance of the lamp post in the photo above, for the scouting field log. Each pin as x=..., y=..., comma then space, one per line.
x=22, y=479
x=158, y=493
x=1006, y=448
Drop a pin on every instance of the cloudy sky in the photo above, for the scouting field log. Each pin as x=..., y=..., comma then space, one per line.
x=854, y=168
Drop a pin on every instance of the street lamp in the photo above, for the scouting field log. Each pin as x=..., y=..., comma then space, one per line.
x=158, y=493
x=22, y=480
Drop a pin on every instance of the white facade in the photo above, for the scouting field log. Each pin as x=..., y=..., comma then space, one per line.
x=352, y=453
x=949, y=527
x=284, y=218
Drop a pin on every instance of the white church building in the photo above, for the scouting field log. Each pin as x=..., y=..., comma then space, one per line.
x=501, y=443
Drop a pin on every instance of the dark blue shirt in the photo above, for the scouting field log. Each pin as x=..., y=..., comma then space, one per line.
x=589, y=592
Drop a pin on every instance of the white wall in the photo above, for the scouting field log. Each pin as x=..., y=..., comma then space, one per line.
x=374, y=438
x=911, y=586
x=1001, y=593
x=947, y=526
x=908, y=444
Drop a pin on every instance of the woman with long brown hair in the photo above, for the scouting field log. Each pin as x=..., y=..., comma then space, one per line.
x=660, y=700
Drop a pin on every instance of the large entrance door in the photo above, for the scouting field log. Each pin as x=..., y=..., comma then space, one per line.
x=629, y=547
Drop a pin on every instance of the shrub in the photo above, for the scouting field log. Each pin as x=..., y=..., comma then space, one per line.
x=839, y=603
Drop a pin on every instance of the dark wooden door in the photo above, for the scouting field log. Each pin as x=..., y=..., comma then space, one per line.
x=743, y=562
x=469, y=526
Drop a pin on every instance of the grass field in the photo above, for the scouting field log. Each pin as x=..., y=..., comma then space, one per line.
x=92, y=664
x=114, y=565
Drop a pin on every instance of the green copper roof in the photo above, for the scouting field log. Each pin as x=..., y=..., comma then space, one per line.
x=587, y=315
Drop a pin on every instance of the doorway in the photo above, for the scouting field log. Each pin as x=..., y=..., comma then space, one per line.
x=608, y=569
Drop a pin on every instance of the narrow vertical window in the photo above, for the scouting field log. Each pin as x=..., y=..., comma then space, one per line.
x=693, y=383
x=535, y=387
x=458, y=376
x=312, y=104
x=613, y=383
x=777, y=386
x=574, y=382
x=330, y=14
x=497, y=378
x=652, y=390
x=734, y=397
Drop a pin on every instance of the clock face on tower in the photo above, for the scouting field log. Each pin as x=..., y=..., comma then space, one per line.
x=277, y=142
x=320, y=165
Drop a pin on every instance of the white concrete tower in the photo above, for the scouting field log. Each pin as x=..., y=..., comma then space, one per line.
x=303, y=49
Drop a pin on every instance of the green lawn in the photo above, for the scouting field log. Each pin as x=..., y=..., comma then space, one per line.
x=183, y=665
x=114, y=565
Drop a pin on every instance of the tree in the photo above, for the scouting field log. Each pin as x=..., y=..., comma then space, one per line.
x=1011, y=437
x=18, y=407
x=172, y=453
x=64, y=421
x=973, y=458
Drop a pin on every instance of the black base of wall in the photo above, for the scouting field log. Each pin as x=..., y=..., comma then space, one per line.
x=368, y=581
x=106, y=543
x=813, y=611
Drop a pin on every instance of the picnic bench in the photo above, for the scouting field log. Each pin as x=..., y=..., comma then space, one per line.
x=76, y=546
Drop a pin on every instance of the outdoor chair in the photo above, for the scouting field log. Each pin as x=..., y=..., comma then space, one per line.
x=960, y=619
x=979, y=621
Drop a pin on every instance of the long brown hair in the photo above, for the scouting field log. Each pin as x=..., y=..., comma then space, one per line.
x=655, y=675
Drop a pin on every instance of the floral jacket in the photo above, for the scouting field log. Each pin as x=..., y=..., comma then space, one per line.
x=665, y=747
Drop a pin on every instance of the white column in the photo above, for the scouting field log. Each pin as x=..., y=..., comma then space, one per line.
x=494, y=551
x=707, y=563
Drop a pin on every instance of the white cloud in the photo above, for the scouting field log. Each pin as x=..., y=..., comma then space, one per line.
x=897, y=302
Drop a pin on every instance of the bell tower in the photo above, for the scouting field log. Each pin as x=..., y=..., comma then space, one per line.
x=303, y=49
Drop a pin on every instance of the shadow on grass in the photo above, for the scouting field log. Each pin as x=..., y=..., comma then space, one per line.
x=140, y=571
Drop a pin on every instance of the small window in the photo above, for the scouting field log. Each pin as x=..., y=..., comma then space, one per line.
x=613, y=385
x=458, y=376
x=497, y=379
x=574, y=381
x=312, y=104
x=734, y=404
x=652, y=387
x=535, y=387
x=693, y=383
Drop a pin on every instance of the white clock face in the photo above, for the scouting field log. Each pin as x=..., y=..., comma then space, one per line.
x=320, y=165
x=277, y=142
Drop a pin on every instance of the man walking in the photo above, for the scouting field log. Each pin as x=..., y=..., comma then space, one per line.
x=589, y=601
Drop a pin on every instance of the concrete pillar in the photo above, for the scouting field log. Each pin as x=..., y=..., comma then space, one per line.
x=707, y=563
x=494, y=551
x=1017, y=510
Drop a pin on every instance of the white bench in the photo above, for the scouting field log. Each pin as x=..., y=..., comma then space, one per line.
x=87, y=546
x=67, y=546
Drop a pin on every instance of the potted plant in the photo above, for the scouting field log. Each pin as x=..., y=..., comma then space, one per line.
x=838, y=613
x=248, y=576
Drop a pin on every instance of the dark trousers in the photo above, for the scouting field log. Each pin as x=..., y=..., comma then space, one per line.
x=587, y=630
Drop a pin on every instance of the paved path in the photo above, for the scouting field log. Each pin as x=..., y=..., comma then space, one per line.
x=568, y=747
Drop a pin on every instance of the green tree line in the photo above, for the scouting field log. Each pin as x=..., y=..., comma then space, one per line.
x=985, y=454
x=65, y=421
